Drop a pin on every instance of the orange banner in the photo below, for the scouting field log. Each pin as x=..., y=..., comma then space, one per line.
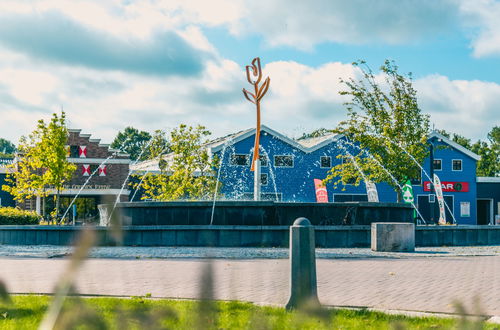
x=321, y=192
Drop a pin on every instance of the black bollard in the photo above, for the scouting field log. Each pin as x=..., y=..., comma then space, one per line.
x=303, y=287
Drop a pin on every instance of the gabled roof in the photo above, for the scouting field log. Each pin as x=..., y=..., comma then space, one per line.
x=307, y=145
x=455, y=145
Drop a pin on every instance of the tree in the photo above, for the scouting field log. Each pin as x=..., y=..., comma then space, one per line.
x=159, y=145
x=7, y=148
x=489, y=151
x=187, y=172
x=383, y=119
x=133, y=142
x=316, y=133
x=43, y=165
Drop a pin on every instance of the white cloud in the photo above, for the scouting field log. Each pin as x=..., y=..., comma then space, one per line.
x=304, y=24
x=466, y=107
x=483, y=17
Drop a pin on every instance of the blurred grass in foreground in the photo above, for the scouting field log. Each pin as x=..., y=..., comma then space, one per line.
x=26, y=312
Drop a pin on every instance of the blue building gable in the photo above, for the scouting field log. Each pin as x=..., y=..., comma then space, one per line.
x=290, y=167
x=456, y=168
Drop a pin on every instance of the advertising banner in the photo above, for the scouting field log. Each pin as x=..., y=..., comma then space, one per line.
x=449, y=186
x=440, y=198
x=321, y=192
x=407, y=191
x=371, y=191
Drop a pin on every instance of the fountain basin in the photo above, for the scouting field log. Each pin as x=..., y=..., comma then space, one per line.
x=251, y=213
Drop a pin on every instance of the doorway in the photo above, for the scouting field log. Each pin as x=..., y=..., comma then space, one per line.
x=484, y=211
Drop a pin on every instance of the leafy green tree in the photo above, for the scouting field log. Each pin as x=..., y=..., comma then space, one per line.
x=7, y=148
x=489, y=151
x=43, y=166
x=383, y=117
x=133, y=142
x=187, y=172
x=159, y=145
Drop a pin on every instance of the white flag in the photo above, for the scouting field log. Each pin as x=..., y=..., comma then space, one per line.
x=439, y=195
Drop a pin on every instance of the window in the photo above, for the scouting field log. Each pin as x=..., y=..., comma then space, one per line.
x=432, y=198
x=239, y=159
x=283, y=161
x=263, y=179
x=263, y=160
x=438, y=164
x=326, y=161
x=417, y=180
x=350, y=181
x=456, y=164
x=74, y=151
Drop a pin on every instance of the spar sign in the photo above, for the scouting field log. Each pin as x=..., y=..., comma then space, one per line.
x=449, y=186
x=439, y=195
x=321, y=192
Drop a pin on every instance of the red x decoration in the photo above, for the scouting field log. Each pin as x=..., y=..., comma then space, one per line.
x=86, y=170
x=102, y=170
x=82, y=151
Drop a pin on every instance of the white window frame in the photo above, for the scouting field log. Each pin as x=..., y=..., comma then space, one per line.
x=231, y=163
x=276, y=166
x=433, y=198
x=264, y=157
x=461, y=165
x=435, y=169
x=321, y=166
x=267, y=179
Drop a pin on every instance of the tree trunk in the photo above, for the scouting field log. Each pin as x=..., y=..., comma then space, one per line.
x=400, y=196
x=58, y=201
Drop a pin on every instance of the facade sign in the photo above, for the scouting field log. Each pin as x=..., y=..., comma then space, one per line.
x=82, y=151
x=440, y=198
x=449, y=186
x=102, y=170
x=465, y=209
x=321, y=192
x=371, y=191
x=86, y=170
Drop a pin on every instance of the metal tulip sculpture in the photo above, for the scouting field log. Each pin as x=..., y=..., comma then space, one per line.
x=254, y=77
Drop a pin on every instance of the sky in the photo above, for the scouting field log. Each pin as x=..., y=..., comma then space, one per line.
x=154, y=64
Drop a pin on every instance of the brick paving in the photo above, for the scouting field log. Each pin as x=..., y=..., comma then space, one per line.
x=418, y=284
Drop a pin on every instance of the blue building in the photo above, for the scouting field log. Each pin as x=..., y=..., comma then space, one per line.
x=289, y=168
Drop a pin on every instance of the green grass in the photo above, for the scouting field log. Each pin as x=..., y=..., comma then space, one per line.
x=26, y=312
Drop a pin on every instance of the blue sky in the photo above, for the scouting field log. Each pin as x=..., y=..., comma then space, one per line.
x=154, y=64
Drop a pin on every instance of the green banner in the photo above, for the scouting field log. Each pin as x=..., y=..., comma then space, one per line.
x=407, y=191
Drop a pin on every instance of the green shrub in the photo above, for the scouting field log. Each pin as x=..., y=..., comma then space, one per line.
x=15, y=216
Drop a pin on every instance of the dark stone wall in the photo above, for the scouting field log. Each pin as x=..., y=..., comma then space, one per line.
x=244, y=236
x=240, y=213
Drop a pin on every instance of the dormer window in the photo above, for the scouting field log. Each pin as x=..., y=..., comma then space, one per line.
x=456, y=165
x=438, y=164
x=74, y=151
x=326, y=161
x=239, y=159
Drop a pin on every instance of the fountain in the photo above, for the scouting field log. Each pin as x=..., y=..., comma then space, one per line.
x=256, y=212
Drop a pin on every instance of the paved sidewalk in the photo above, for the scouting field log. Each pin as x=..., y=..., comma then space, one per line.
x=419, y=284
x=133, y=252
